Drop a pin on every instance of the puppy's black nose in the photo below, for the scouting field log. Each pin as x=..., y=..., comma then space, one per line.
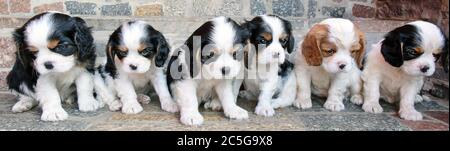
x=342, y=66
x=424, y=69
x=48, y=65
x=133, y=67
x=225, y=70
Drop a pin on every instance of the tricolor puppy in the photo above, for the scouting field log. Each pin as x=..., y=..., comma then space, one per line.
x=397, y=65
x=269, y=74
x=328, y=64
x=206, y=69
x=136, y=54
x=54, y=61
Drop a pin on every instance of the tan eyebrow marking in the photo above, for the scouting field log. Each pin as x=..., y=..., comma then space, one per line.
x=142, y=47
x=52, y=43
x=267, y=36
x=122, y=48
x=33, y=49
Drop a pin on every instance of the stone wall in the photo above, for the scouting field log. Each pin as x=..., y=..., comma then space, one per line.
x=176, y=19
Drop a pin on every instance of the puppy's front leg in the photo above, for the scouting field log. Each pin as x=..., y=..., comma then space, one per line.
x=264, y=106
x=372, y=95
x=85, y=92
x=186, y=96
x=160, y=85
x=355, y=89
x=127, y=94
x=407, y=97
x=336, y=94
x=48, y=96
x=303, y=100
x=224, y=91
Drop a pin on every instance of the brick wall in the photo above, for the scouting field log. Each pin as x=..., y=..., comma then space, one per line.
x=176, y=19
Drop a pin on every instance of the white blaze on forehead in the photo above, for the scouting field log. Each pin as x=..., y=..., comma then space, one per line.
x=275, y=25
x=432, y=38
x=132, y=34
x=342, y=30
x=39, y=30
x=223, y=33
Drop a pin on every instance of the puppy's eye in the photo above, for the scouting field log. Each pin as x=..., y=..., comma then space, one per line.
x=211, y=54
x=330, y=51
x=122, y=53
x=65, y=49
x=283, y=41
x=147, y=51
x=262, y=41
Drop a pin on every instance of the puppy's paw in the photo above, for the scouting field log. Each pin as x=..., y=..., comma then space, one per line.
x=236, y=113
x=143, y=99
x=265, y=110
x=54, y=114
x=169, y=106
x=192, y=119
x=89, y=104
x=411, y=115
x=357, y=99
x=334, y=105
x=303, y=103
x=214, y=105
x=372, y=107
x=418, y=99
x=115, y=105
x=23, y=106
x=131, y=108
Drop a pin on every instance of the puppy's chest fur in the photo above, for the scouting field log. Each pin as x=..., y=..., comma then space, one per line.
x=140, y=81
x=65, y=82
x=392, y=82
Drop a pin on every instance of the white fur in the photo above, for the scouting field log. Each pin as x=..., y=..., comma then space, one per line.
x=328, y=80
x=381, y=80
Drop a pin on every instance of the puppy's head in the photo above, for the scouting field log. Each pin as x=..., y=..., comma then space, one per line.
x=54, y=42
x=221, y=43
x=414, y=47
x=272, y=37
x=134, y=46
x=335, y=44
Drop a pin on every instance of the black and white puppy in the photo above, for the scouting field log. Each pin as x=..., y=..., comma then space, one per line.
x=397, y=65
x=269, y=73
x=54, y=60
x=206, y=68
x=136, y=54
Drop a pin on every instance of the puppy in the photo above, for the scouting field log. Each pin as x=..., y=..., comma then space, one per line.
x=269, y=73
x=206, y=69
x=328, y=64
x=54, y=60
x=136, y=54
x=397, y=65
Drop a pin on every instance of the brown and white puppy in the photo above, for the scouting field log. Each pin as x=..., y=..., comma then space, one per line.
x=328, y=64
x=397, y=65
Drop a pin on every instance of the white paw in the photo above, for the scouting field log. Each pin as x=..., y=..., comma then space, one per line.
x=22, y=106
x=334, y=105
x=57, y=114
x=236, y=113
x=131, y=108
x=191, y=118
x=411, y=114
x=303, y=103
x=169, y=106
x=372, y=107
x=276, y=103
x=357, y=99
x=115, y=105
x=89, y=104
x=143, y=99
x=265, y=110
x=418, y=99
x=214, y=105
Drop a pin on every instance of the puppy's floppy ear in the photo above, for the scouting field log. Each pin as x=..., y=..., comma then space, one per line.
x=163, y=50
x=359, y=55
x=110, y=66
x=291, y=41
x=392, y=48
x=84, y=41
x=310, y=46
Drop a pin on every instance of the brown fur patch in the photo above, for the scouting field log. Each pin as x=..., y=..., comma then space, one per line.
x=418, y=50
x=33, y=49
x=358, y=53
x=52, y=43
x=142, y=47
x=327, y=48
x=310, y=46
x=267, y=36
x=122, y=48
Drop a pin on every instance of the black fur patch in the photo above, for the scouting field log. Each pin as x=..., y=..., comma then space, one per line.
x=398, y=45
